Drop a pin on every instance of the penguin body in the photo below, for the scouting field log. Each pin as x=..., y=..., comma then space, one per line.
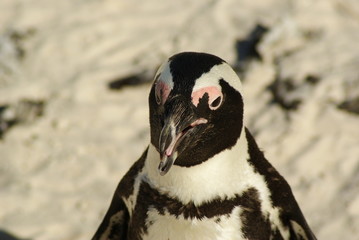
x=203, y=175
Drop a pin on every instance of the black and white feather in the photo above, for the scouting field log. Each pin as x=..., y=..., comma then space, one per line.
x=203, y=175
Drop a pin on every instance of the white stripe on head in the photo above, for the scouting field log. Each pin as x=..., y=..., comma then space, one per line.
x=218, y=72
x=164, y=74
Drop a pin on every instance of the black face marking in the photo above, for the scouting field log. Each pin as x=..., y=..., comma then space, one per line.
x=202, y=142
x=185, y=68
x=202, y=106
x=225, y=121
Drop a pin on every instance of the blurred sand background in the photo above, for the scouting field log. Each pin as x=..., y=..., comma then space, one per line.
x=67, y=137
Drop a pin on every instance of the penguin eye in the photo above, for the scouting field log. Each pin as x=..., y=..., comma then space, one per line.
x=216, y=102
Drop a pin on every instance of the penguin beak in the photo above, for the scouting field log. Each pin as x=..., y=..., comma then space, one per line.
x=171, y=136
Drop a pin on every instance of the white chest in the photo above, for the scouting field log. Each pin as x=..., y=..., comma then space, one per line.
x=168, y=227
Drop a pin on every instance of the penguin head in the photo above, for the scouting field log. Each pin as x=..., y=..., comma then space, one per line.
x=196, y=109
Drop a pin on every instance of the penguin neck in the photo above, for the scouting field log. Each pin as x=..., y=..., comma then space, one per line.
x=224, y=175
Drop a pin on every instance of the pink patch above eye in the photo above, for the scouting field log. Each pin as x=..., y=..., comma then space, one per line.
x=162, y=91
x=213, y=94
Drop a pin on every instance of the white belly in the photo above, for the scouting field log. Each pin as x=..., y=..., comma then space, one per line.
x=168, y=227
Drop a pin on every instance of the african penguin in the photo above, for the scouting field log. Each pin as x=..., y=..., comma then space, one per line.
x=202, y=175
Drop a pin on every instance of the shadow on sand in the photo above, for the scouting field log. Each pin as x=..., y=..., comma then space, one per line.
x=7, y=236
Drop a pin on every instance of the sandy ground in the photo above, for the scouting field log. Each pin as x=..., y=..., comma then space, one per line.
x=75, y=137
